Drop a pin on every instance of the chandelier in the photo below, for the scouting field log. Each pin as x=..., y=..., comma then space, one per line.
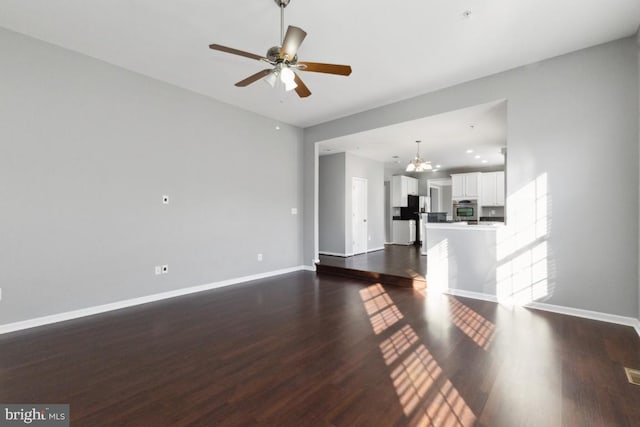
x=418, y=164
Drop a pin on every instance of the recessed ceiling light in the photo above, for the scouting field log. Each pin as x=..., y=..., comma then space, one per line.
x=477, y=156
x=467, y=13
x=277, y=127
x=395, y=157
x=438, y=166
x=484, y=161
x=469, y=151
x=435, y=170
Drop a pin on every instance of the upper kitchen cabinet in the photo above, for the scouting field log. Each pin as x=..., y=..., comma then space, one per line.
x=401, y=187
x=412, y=186
x=492, y=189
x=466, y=185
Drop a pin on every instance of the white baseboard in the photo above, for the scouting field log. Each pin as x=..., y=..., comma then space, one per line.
x=89, y=311
x=569, y=311
x=308, y=267
x=332, y=254
x=381, y=248
x=586, y=314
x=346, y=255
x=469, y=294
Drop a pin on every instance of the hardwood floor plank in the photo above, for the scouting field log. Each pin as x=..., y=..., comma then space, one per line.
x=300, y=349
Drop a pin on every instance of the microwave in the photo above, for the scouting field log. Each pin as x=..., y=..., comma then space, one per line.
x=465, y=210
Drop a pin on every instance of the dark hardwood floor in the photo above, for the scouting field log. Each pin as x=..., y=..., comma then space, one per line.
x=304, y=350
x=398, y=265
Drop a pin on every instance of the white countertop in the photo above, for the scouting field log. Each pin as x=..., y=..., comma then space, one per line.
x=483, y=226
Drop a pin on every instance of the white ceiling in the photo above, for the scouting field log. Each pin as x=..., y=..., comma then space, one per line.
x=397, y=49
x=445, y=139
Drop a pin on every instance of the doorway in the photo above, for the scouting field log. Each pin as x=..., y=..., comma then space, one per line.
x=359, y=215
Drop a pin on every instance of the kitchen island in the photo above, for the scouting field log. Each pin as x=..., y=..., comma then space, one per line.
x=461, y=257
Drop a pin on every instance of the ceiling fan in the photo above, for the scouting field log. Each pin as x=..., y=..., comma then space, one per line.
x=284, y=60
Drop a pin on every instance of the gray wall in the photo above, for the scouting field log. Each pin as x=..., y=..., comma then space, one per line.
x=335, y=173
x=86, y=152
x=447, y=200
x=577, y=112
x=373, y=172
x=331, y=203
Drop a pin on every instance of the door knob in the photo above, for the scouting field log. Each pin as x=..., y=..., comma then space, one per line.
x=364, y=220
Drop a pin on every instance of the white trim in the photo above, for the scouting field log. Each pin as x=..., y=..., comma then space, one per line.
x=469, y=294
x=376, y=249
x=308, y=267
x=569, y=311
x=637, y=326
x=586, y=314
x=89, y=311
x=350, y=254
x=332, y=254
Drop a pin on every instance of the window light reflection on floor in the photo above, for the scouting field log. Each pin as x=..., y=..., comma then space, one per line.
x=382, y=320
x=424, y=393
x=477, y=328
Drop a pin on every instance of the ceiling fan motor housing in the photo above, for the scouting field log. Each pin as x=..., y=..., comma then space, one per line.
x=282, y=3
x=273, y=55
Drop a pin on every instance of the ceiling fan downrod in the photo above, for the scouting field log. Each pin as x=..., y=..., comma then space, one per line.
x=282, y=4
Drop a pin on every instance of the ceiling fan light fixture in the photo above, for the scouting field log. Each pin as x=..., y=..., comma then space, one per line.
x=288, y=78
x=271, y=79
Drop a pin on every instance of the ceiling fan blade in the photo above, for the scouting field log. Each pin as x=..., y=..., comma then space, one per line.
x=254, y=77
x=302, y=90
x=235, y=51
x=342, y=70
x=292, y=41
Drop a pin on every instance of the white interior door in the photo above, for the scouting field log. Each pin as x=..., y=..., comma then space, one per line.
x=359, y=215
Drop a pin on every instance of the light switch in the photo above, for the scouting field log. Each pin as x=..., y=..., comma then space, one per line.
x=294, y=211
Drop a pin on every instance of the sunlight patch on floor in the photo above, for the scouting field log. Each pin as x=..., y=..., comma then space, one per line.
x=426, y=396
x=394, y=346
x=382, y=320
x=477, y=328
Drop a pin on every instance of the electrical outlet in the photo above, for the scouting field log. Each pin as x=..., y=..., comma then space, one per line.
x=165, y=200
x=259, y=257
x=158, y=269
x=165, y=269
x=294, y=211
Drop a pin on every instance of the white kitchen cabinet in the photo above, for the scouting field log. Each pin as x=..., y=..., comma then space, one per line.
x=457, y=186
x=500, y=194
x=401, y=187
x=492, y=189
x=404, y=231
x=412, y=186
x=466, y=186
